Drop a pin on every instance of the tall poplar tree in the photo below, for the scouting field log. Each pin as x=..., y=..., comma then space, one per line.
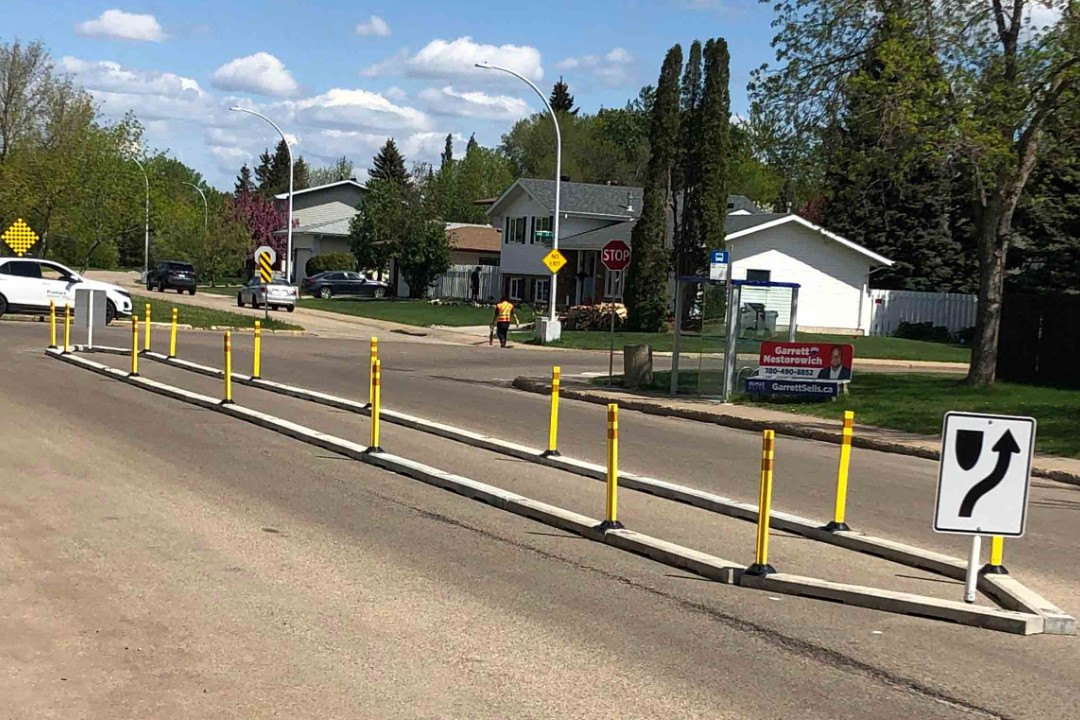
x=646, y=293
x=715, y=145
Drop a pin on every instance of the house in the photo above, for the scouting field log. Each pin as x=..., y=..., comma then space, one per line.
x=833, y=272
x=592, y=215
x=471, y=246
x=321, y=218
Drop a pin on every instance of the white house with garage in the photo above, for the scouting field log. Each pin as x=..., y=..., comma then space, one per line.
x=321, y=218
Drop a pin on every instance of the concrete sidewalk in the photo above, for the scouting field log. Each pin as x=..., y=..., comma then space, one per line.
x=745, y=417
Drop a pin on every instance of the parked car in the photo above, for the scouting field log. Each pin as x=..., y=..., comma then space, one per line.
x=335, y=282
x=172, y=275
x=27, y=285
x=278, y=294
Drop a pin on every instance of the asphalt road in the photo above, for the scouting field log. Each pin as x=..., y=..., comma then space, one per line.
x=161, y=560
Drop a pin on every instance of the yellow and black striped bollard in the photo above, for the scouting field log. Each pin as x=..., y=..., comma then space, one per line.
x=997, y=549
x=146, y=339
x=611, y=515
x=258, y=350
x=837, y=523
x=553, y=420
x=52, y=325
x=172, y=335
x=761, y=564
x=134, y=346
x=376, y=393
x=67, y=327
x=227, y=400
x=372, y=357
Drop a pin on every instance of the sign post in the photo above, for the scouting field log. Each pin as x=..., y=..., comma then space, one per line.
x=615, y=256
x=983, y=480
x=265, y=257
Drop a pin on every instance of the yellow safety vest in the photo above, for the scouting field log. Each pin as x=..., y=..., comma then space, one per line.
x=504, y=311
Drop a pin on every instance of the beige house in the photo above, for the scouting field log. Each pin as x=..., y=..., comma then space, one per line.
x=321, y=218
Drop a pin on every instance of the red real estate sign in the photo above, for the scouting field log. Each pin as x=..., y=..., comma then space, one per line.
x=615, y=255
x=806, y=361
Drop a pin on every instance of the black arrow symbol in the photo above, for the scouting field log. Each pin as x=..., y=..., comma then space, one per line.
x=1004, y=447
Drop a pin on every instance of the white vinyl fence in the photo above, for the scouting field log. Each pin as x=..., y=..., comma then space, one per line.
x=457, y=283
x=889, y=308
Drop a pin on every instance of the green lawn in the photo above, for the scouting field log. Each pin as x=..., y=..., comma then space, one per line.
x=199, y=317
x=917, y=402
x=865, y=347
x=410, y=312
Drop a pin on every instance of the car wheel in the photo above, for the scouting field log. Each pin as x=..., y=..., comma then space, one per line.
x=290, y=308
x=191, y=291
x=110, y=312
x=239, y=300
x=149, y=286
x=326, y=293
x=379, y=293
x=3, y=305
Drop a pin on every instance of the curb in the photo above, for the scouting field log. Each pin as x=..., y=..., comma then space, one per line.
x=542, y=387
x=1005, y=590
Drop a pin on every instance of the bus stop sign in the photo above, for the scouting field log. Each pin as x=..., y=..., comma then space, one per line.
x=616, y=255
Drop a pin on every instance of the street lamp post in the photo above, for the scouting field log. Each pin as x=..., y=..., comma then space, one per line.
x=146, y=239
x=206, y=209
x=550, y=330
x=288, y=246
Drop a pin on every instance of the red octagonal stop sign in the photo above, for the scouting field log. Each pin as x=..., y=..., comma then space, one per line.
x=615, y=255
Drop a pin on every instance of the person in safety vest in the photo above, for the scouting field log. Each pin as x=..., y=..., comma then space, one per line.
x=501, y=320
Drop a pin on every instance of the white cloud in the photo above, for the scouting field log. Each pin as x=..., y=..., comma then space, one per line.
x=448, y=101
x=358, y=109
x=112, y=77
x=458, y=58
x=1043, y=14
x=126, y=26
x=260, y=73
x=230, y=155
x=395, y=93
x=374, y=26
x=615, y=69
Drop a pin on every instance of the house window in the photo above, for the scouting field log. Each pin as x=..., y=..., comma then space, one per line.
x=517, y=288
x=515, y=230
x=493, y=261
x=541, y=290
x=759, y=275
x=541, y=227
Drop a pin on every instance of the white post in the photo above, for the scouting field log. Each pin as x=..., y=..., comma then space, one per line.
x=206, y=209
x=146, y=239
x=555, y=330
x=89, y=322
x=288, y=246
x=972, y=569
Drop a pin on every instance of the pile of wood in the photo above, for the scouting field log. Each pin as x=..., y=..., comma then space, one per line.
x=594, y=317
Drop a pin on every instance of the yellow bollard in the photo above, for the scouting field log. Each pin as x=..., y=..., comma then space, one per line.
x=147, y=338
x=67, y=327
x=371, y=364
x=553, y=422
x=172, y=335
x=134, y=346
x=761, y=564
x=997, y=548
x=376, y=392
x=228, y=369
x=52, y=325
x=837, y=522
x=611, y=519
x=258, y=348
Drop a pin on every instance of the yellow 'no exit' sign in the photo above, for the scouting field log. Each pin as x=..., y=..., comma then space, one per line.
x=554, y=260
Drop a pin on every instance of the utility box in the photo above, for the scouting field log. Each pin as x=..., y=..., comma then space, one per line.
x=90, y=307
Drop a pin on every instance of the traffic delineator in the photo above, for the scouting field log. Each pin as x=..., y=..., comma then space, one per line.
x=997, y=549
x=258, y=350
x=227, y=400
x=376, y=391
x=172, y=334
x=52, y=325
x=611, y=516
x=372, y=357
x=147, y=338
x=761, y=564
x=67, y=327
x=134, y=346
x=837, y=523
x=553, y=421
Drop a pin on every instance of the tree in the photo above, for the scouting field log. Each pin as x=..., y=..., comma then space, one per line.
x=264, y=174
x=646, y=295
x=561, y=100
x=244, y=184
x=687, y=171
x=447, y=157
x=715, y=146
x=1006, y=80
x=424, y=252
x=375, y=230
x=341, y=170
x=26, y=84
x=301, y=180
x=262, y=218
x=389, y=164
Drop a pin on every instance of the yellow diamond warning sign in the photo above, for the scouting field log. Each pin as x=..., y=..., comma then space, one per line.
x=554, y=260
x=19, y=237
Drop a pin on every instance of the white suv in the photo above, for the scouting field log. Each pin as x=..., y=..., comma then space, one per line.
x=27, y=285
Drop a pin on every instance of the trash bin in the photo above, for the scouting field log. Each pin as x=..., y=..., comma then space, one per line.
x=768, y=321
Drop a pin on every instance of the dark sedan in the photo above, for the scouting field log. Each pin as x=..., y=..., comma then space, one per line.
x=328, y=284
x=171, y=275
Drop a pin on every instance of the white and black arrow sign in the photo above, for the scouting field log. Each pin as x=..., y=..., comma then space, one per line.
x=984, y=473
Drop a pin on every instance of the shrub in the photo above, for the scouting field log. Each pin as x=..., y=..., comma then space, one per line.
x=330, y=261
x=927, y=331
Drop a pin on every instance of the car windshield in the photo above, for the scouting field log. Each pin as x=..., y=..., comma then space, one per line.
x=180, y=267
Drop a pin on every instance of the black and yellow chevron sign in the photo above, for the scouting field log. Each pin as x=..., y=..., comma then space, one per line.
x=266, y=273
x=19, y=237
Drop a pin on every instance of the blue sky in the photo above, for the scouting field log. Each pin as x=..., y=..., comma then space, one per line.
x=341, y=77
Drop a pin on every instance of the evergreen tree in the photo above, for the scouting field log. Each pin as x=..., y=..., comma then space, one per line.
x=561, y=100
x=687, y=174
x=244, y=183
x=264, y=173
x=448, y=152
x=301, y=177
x=472, y=144
x=389, y=164
x=646, y=295
x=715, y=145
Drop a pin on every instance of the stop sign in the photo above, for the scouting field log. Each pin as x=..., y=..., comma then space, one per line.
x=615, y=255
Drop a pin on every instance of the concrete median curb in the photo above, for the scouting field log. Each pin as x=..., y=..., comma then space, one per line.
x=1003, y=589
x=1041, y=467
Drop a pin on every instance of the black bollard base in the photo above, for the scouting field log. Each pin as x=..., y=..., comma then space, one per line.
x=610, y=525
x=760, y=570
x=550, y=453
x=834, y=526
x=993, y=570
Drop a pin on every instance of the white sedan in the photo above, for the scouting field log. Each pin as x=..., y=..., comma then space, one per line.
x=28, y=284
x=278, y=294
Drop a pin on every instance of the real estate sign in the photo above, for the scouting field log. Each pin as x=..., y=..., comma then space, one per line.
x=805, y=361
